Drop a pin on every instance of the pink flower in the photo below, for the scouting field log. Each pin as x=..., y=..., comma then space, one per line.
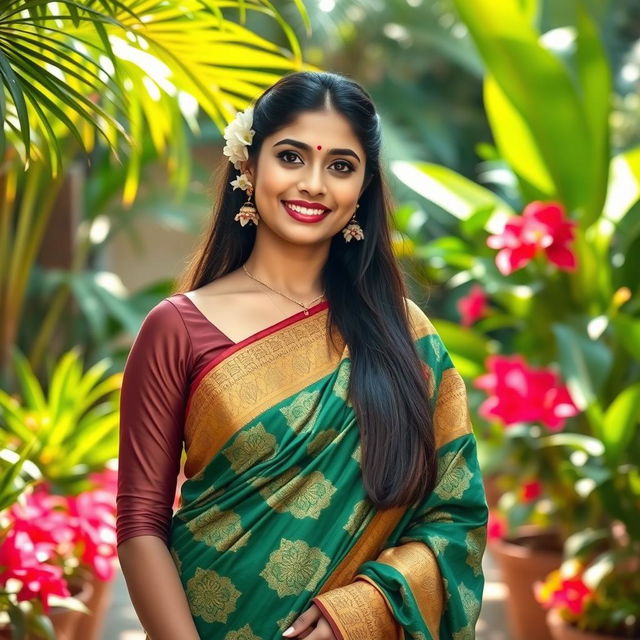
x=543, y=226
x=519, y=393
x=496, y=527
x=530, y=491
x=473, y=306
x=563, y=593
x=23, y=559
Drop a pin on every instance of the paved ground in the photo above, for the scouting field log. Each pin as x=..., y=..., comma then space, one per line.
x=122, y=623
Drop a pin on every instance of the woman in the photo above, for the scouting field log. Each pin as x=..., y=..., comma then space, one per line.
x=332, y=488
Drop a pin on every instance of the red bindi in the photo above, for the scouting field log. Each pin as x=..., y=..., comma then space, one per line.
x=319, y=147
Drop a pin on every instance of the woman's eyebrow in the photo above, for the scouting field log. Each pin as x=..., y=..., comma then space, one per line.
x=305, y=147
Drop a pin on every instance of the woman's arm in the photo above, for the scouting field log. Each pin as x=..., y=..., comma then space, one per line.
x=155, y=588
x=152, y=409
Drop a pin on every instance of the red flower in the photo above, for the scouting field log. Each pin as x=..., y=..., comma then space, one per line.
x=473, y=306
x=531, y=490
x=563, y=593
x=543, y=226
x=496, y=527
x=519, y=393
x=25, y=560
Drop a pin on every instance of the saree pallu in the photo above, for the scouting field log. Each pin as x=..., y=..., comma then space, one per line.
x=273, y=515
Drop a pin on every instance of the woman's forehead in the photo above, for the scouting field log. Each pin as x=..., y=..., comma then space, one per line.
x=327, y=129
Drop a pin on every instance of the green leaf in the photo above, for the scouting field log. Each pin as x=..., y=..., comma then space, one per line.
x=525, y=70
x=624, y=184
x=14, y=88
x=588, y=444
x=628, y=333
x=467, y=349
x=33, y=396
x=621, y=423
x=454, y=193
x=596, y=86
x=585, y=364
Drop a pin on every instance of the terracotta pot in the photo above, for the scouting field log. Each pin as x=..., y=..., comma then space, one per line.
x=561, y=630
x=523, y=560
x=64, y=620
x=89, y=627
x=491, y=490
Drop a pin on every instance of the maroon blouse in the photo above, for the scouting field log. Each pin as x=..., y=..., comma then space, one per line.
x=174, y=343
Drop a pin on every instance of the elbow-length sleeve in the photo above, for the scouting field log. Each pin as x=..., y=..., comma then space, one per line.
x=153, y=399
x=427, y=582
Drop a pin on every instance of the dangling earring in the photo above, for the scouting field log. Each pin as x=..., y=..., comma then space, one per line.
x=353, y=229
x=248, y=211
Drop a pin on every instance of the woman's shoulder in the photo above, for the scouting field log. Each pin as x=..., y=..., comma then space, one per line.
x=420, y=324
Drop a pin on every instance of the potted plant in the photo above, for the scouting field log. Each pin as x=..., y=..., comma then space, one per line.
x=71, y=431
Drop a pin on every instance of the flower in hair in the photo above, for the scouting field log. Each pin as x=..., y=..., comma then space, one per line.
x=239, y=135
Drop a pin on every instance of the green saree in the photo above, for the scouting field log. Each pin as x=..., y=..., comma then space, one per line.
x=273, y=516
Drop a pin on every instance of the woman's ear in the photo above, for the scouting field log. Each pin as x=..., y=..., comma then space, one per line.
x=247, y=168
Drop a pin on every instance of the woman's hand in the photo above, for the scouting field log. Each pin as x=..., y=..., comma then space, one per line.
x=311, y=625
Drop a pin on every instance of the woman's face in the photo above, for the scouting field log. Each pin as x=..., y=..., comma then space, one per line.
x=315, y=165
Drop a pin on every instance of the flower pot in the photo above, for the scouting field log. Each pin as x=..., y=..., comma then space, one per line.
x=89, y=627
x=561, y=630
x=492, y=490
x=64, y=620
x=523, y=560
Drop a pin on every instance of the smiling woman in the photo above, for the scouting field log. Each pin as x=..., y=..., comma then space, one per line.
x=332, y=490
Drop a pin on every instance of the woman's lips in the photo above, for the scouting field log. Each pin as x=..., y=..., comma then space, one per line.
x=304, y=217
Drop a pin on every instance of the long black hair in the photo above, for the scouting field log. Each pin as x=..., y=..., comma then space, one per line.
x=364, y=289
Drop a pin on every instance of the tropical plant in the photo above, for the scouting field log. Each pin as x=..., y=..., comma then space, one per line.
x=544, y=269
x=118, y=74
x=73, y=426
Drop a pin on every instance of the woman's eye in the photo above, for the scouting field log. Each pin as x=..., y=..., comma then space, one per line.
x=286, y=155
x=347, y=167
x=290, y=157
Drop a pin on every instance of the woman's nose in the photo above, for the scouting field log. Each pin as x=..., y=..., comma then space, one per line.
x=313, y=181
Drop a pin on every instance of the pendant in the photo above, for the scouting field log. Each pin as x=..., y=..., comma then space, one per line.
x=306, y=312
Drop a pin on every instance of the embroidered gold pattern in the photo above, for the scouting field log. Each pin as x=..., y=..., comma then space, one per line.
x=250, y=447
x=211, y=596
x=451, y=414
x=360, y=612
x=301, y=496
x=438, y=544
x=321, y=441
x=220, y=529
x=362, y=512
x=294, y=567
x=454, y=476
x=285, y=622
x=298, y=413
x=244, y=633
x=341, y=385
x=470, y=603
x=438, y=516
x=466, y=633
x=419, y=567
x=476, y=541
x=357, y=453
x=253, y=379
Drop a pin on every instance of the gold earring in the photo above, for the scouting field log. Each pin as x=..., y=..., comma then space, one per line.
x=353, y=229
x=248, y=211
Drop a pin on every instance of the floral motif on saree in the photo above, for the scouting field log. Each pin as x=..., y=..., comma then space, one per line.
x=273, y=514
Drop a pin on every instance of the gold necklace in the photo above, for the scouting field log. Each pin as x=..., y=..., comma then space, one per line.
x=305, y=307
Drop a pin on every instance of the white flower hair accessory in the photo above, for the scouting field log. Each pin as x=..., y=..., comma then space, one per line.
x=239, y=135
